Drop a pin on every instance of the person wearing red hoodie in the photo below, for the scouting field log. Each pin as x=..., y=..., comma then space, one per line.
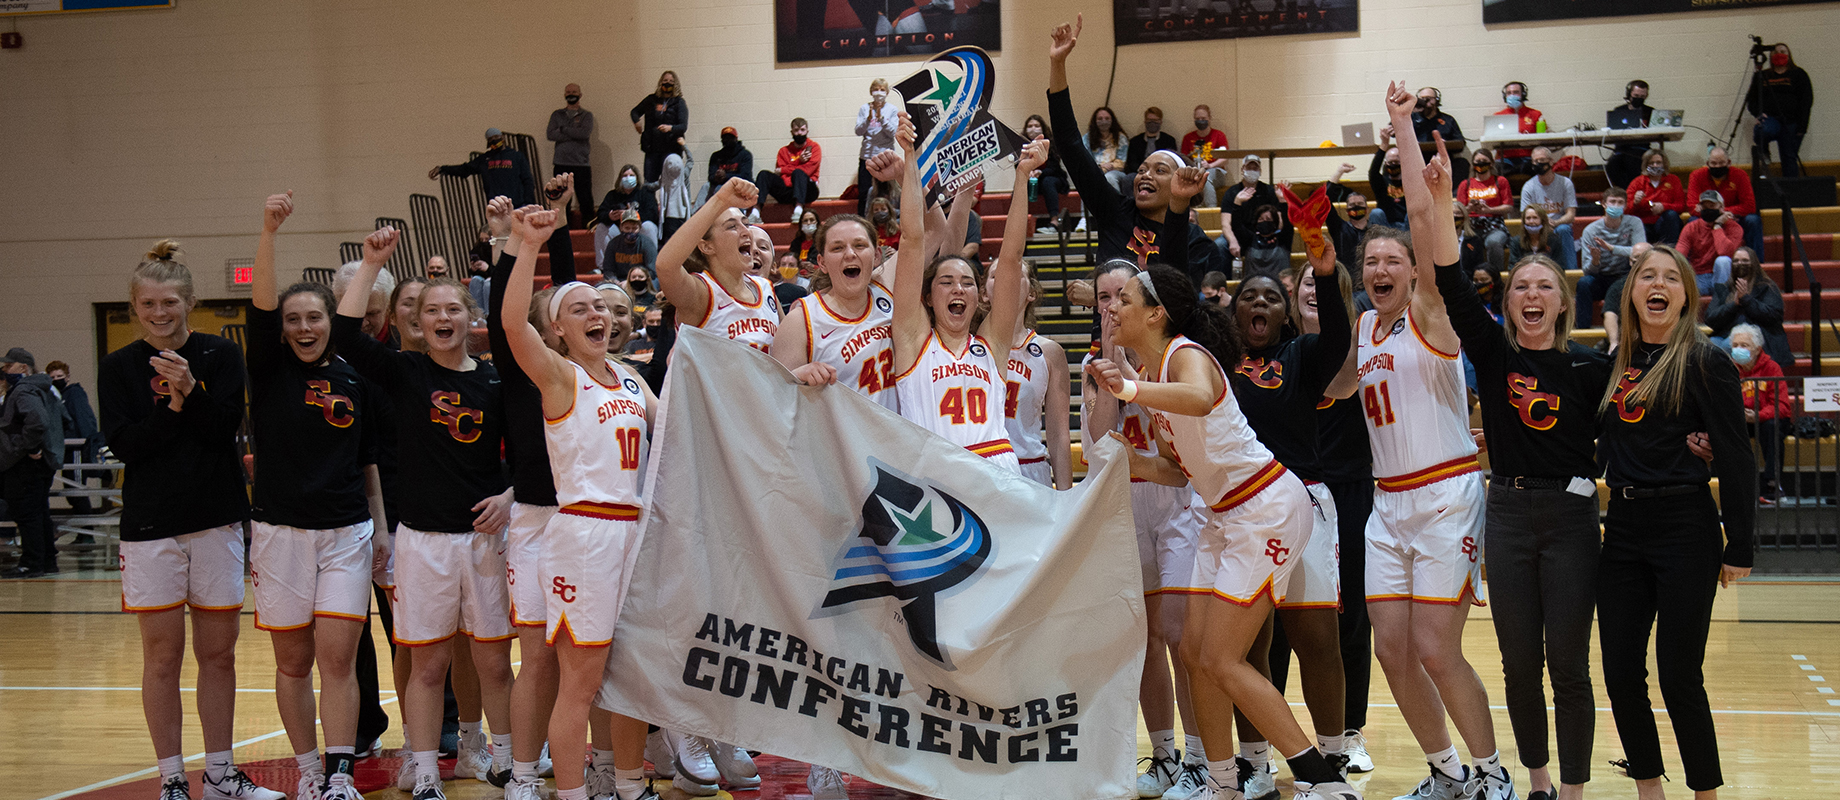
x=1733, y=184
x=1766, y=402
x=796, y=179
x=1710, y=240
x=1655, y=197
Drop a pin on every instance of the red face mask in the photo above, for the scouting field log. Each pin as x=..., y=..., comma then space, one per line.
x=1779, y=59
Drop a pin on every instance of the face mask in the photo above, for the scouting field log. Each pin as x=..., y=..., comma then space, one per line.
x=61, y=384
x=798, y=138
x=728, y=142
x=12, y=379
x=629, y=183
x=1031, y=132
x=1153, y=127
x=1779, y=59
x=1533, y=226
x=1613, y=212
x=667, y=88
x=1718, y=173
x=1514, y=101
x=572, y=98
x=1742, y=355
x=1267, y=227
x=879, y=95
x=1251, y=175
x=1638, y=102
x=639, y=284
x=880, y=216
x=629, y=237
x=810, y=228
x=1357, y=212
x=1482, y=166
x=1392, y=169
x=1541, y=169
x=1201, y=124
x=1710, y=215
x=494, y=144
x=1655, y=170
x=788, y=273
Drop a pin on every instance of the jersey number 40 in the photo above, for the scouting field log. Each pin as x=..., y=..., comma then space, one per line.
x=961, y=404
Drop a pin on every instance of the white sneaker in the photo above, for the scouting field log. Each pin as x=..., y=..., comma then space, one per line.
x=692, y=788
x=176, y=789
x=599, y=780
x=545, y=767
x=1190, y=784
x=658, y=751
x=691, y=757
x=471, y=763
x=1047, y=230
x=798, y=210
x=340, y=788
x=826, y=784
x=307, y=788
x=1159, y=776
x=1497, y=785
x=753, y=217
x=1438, y=786
x=428, y=788
x=1326, y=791
x=1355, y=748
x=1256, y=782
x=1081, y=226
x=526, y=789
x=405, y=771
x=736, y=766
x=237, y=786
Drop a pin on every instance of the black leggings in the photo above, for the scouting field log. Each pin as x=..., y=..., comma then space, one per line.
x=1354, y=502
x=1659, y=572
x=1542, y=549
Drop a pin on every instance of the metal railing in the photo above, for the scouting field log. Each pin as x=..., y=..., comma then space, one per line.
x=405, y=261
x=1792, y=247
x=1798, y=503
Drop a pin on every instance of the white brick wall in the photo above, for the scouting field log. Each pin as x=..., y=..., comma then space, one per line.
x=127, y=127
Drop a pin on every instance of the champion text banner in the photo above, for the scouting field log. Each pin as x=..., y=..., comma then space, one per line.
x=822, y=580
x=959, y=142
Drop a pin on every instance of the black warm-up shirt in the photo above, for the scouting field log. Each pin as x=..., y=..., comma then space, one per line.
x=313, y=432
x=526, y=448
x=1645, y=447
x=504, y=171
x=183, y=472
x=1278, y=386
x=449, y=428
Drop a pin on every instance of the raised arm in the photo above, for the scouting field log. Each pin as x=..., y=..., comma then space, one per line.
x=545, y=367
x=263, y=291
x=686, y=291
x=910, y=322
x=1006, y=294
x=1335, y=334
x=1428, y=199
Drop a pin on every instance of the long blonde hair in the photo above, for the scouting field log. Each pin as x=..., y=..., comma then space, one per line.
x=1343, y=279
x=1562, y=329
x=1665, y=383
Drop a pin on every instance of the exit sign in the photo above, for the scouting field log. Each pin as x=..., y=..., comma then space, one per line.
x=239, y=274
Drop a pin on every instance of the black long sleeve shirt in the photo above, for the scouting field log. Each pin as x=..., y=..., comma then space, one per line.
x=656, y=111
x=725, y=164
x=1279, y=386
x=1762, y=307
x=1788, y=96
x=183, y=472
x=646, y=203
x=1388, y=195
x=504, y=171
x=313, y=434
x=1539, y=407
x=526, y=449
x=1644, y=447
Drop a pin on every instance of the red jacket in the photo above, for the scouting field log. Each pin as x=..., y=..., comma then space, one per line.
x=1666, y=195
x=1702, y=244
x=1770, y=399
x=1736, y=189
x=1530, y=120
x=805, y=157
x=1201, y=148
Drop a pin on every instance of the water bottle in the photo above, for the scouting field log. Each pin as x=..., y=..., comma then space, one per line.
x=1032, y=181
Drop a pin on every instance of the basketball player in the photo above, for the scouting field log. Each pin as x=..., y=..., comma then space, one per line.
x=841, y=333
x=450, y=548
x=171, y=404
x=1038, y=393
x=310, y=544
x=1424, y=540
x=703, y=269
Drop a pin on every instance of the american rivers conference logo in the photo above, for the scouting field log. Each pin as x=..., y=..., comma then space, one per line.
x=915, y=542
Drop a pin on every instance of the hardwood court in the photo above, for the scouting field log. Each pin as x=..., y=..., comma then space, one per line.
x=71, y=723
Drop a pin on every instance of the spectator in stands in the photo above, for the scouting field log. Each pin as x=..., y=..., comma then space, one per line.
x=1214, y=288
x=1766, y=402
x=377, y=311
x=1266, y=249
x=1489, y=201
x=805, y=238
x=1107, y=141
x=1733, y=184
x=1607, y=243
x=79, y=423
x=1238, y=210
x=502, y=169
x=674, y=189
x=1199, y=146
x=1536, y=237
x=639, y=287
x=1710, y=240
x=1625, y=163
x=1347, y=227
x=31, y=450
x=875, y=123
x=628, y=193
x=1517, y=160
x=1655, y=197
x=1151, y=140
x=1050, y=180
x=570, y=127
x=660, y=119
x=1389, y=198
x=1781, y=98
x=1614, y=299
x=785, y=275
x=1430, y=118
x=1555, y=195
x=1751, y=298
x=887, y=223
x=1472, y=246
x=795, y=179
x=731, y=160
x=628, y=249
x=436, y=267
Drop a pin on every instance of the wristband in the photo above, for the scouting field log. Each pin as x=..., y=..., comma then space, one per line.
x=1128, y=393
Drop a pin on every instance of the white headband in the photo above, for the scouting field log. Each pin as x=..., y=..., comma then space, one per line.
x=555, y=300
x=1143, y=278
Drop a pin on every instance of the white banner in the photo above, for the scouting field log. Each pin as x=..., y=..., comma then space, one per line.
x=825, y=581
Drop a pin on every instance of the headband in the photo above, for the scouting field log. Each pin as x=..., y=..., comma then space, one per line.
x=555, y=300
x=1143, y=278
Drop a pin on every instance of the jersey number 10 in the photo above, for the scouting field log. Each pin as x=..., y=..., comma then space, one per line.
x=960, y=404
x=629, y=447
x=1379, y=405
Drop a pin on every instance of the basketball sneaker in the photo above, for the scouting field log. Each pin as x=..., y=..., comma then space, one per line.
x=428, y=788
x=690, y=755
x=599, y=780
x=1355, y=748
x=237, y=786
x=658, y=752
x=1497, y=785
x=1159, y=776
x=405, y=770
x=530, y=789
x=1190, y=784
x=545, y=767
x=1337, y=790
x=176, y=789
x=692, y=788
x=308, y=788
x=474, y=760
x=826, y=784
x=339, y=787
x=1439, y=786
x=1257, y=783
x=498, y=779
x=736, y=766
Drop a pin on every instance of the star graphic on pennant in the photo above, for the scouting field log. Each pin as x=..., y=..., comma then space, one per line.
x=917, y=527
x=943, y=88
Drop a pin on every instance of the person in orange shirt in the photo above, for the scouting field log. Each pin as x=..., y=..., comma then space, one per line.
x=1205, y=146
x=1517, y=160
x=1489, y=201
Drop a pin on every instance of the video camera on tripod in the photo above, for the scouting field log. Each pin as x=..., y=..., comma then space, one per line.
x=1760, y=52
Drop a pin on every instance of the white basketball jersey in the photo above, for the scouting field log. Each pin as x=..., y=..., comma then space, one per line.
x=956, y=396
x=1415, y=404
x=752, y=325
x=595, y=448
x=861, y=349
x=1134, y=423
x=1027, y=392
x=1223, y=459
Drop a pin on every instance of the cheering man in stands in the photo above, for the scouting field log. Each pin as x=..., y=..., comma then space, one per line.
x=796, y=181
x=1734, y=185
x=504, y=170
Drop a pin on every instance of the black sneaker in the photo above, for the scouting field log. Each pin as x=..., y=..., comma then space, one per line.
x=497, y=778
x=428, y=787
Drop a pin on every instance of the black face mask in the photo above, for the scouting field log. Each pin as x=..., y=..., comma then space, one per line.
x=1718, y=173
x=1266, y=227
x=1541, y=169
x=639, y=284
x=12, y=379
x=1711, y=215
x=1483, y=166
x=1357, y=212
x=798, y=139
x=572, y=98
x=1638, y=102
x=1392, y=170
x=61, y=383
x=730, y=142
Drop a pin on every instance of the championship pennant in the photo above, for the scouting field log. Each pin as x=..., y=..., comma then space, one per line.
x=959, y=141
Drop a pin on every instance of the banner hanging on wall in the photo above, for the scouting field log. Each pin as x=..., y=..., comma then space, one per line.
x=827, y=30
x=1150, y=21
x=13, y=8
x=959, y=142
x=1494, y=11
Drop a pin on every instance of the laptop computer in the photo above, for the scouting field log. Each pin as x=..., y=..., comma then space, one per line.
x=1501, y=125
x=1667, y=118
x=1361, y=135
x=1622, y=119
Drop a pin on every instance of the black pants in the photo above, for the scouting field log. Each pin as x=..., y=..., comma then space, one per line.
x=1050, y=188
x=800, y=191
x=1354, y=502
x=584, y=188
x=1770, y=434
x=372, y=720
x=27, y=487
x=1623, y=166
x=1541, y=547
x=1659, y=572
x=865, y=186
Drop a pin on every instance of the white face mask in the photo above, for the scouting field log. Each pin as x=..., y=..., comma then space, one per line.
x=879, y=95
x=1251, y=175
x=809, y=228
